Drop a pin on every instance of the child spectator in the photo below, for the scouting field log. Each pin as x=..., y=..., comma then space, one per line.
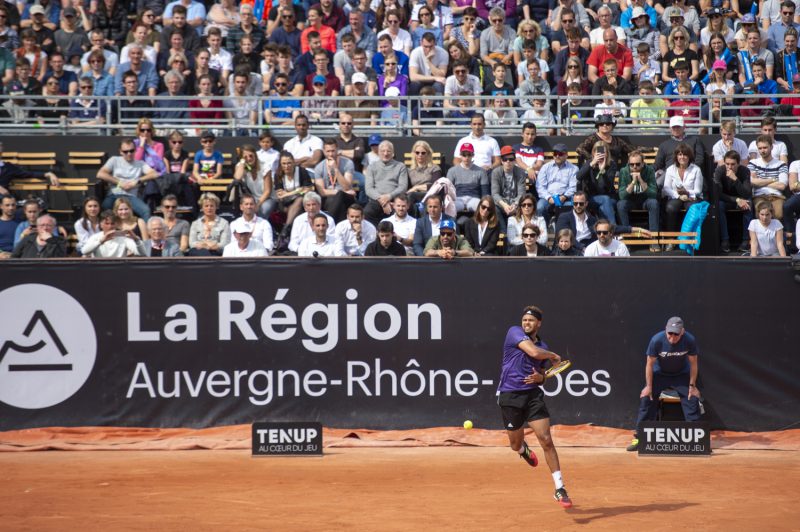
x=500, y=114
x=610, y=106
x=539, y=114
x=644, y=67
x=685, y=106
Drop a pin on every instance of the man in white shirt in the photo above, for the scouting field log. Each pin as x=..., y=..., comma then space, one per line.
x=428, y=65
x=261, y=229
x=302, y=226
x=219, y=58
x=306, y=149
x=243, y=244
x=769, y=126
x=355, y=233
x=460, y=82
x=487, y=150
x=319, y=243
x=605, y=245
x=404, y=225
x=768, y=175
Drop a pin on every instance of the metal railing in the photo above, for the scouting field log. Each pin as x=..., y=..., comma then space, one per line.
x=402, y=116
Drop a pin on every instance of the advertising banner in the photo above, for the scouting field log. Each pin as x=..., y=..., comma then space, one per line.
x=382, y=344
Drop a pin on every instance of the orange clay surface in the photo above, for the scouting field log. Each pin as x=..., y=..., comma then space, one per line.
x=437, y=479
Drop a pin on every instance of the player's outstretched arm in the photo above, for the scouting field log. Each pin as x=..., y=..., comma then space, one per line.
x=533, y=351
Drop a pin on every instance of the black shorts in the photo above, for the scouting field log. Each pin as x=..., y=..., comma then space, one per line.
x=522, y=407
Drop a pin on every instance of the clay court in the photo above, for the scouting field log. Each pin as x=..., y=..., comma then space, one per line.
x=438, y=479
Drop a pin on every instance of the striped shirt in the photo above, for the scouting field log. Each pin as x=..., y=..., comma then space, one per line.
x=774, y=169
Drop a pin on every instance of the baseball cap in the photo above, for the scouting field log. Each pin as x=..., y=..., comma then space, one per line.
x=318, y=79
x=392, y=92
x=638, y=12
x=675, y=12
x=207, y=135
x=719, y=64
x=561, y=147
x=36, y=10
x=675, y=325
x=749, y=88
x=70, y=12
x=506, y=150
x=467, y=147
x=240, y=226
x=604, y=119
x=375, y=139
x=359, y=77
x=677, y=121
x=748, y=18
x=447, y=224
x=713, y=11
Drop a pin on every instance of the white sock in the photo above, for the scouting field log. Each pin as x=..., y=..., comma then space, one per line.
x=524, y=446
x=558, y=480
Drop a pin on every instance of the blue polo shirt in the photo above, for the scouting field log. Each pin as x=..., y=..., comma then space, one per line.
x=672, y=360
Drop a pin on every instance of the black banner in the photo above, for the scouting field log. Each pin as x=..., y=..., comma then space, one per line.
x=287, y=439
x=380, y=344
x=676, y=438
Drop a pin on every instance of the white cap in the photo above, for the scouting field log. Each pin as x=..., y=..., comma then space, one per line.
x=638, y=12
x=240, y=226
x=677, y=121
x=359, y=77
x=392, y=92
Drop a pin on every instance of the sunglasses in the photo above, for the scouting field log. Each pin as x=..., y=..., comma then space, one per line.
x=287, y=16
x=567, y=20
x=603, y=232
x=176, y=142
x=280, y=84
x=86, y=87
x=508, y=159
x=394, y=22
x=579, y=203
x=145, y=129
x=571, y=67
x=673, y=334
x=678, y=38
x=318, y=84
x=345, y=123
x=467, y=154
x=559, y=153
x=206, y=141
x=52, y=83
x=460, y=71
x=484, y=207
x=421, y=153
x=527, y=205
x=529, y=235
x=787, y=13
x=127, y=152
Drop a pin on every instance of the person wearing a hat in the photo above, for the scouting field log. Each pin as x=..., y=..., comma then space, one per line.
x=671, y=363
x=636, y=9
x=717, y=23
x=242, y=244
x=448, y=245
x=70, y=35
x=679, y=16
x=48, y=11
x=787, y=62
x=604, y=129
x=748, y=24
x=641, y=33
x=471, y=181
x=556, y=183
x=666, y=150
x=777, y=30
x=508, y=185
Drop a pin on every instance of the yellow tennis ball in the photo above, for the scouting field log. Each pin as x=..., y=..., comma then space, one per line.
x=468, y=424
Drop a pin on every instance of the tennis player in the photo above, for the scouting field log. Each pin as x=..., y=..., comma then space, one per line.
x=522, y=400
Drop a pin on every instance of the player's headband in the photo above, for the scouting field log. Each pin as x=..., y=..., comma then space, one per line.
x=535, y=313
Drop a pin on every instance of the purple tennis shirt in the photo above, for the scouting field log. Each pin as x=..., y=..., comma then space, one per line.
x=516, y=363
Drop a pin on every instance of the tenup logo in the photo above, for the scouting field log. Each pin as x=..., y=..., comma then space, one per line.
x=47, y=346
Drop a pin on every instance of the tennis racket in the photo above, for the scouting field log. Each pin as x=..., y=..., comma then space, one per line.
x=558, y=368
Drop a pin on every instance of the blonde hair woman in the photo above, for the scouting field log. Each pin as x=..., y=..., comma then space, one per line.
x=127, y=220
x=209, y=234
x=530, y=30
x=422, y=173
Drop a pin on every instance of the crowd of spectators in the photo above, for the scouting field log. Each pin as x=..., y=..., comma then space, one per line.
x=56, y=56
x=337, y=196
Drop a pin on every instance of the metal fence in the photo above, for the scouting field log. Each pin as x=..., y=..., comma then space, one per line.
x=402, y=116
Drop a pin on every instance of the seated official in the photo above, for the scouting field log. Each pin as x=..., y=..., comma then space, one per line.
x=386, y=244
x=448, y=245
